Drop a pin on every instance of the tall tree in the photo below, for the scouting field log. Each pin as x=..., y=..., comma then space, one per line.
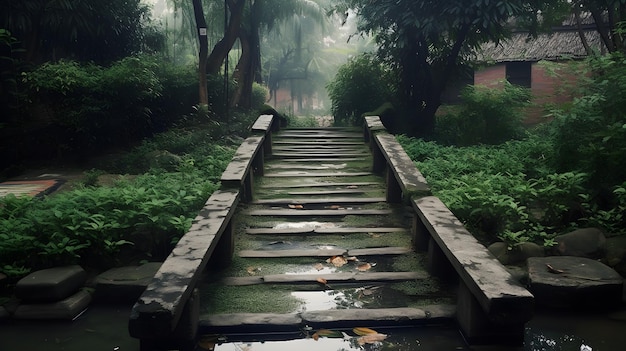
x=427, y=41
x=265, y=15
x=610, y=19
x=203, y=43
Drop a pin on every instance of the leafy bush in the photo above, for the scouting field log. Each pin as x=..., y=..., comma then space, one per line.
x=512, y=191
x=95, y=106
x=487, y=116
x=590, y=135
x=359, y=86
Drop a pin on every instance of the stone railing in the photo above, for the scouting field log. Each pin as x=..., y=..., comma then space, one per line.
x=491, y=306
x=166, y=315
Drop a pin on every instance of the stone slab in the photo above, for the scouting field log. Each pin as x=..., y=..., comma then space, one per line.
x=31, y=188
x=124, y=284
x=290, y=253
x=263, y=124
x=314, y=185
x=315, y=213
x=383, y=316
x=406, y=173
x=239, y=166
x=573, y=281
x=313, y=174
x=344, y=277
x=325, y=231
x=323, y=201
x=52, y=284
x=67, y=308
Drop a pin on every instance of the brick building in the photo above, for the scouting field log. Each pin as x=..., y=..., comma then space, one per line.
x=542, y=64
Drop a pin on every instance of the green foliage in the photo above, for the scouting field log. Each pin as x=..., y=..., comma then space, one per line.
x=512, y=191
x=487, y=116
x=590, y=136
x=96, y=106
x=360, y=85
x=138, y=217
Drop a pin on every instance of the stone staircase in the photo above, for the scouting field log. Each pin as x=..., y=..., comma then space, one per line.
x=318, y=247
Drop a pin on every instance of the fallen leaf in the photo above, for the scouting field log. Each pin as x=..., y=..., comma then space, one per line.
x=364, y=267
x=364, y=331
x=371, y=339
x=554, y=270
x=253, y=270
x=322, y=280
x=352, y=258
x=328, y=333
x=337, y=261
x=352, y=187
x=318, y=266
x=296, y=206
x=375, y=235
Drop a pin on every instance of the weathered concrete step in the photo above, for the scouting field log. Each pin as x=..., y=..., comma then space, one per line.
x=316, y=213
x=326, y=142
x=327, y=200
x=313, y=174
x=326, y=192
x=293, y=166
x=328, y=319
x=319, y=155
x=379, y=251
x=320, y=185
x=330, y=278
x=318, y=159
x=327, y=231
x=321, y=148
x=321, y=135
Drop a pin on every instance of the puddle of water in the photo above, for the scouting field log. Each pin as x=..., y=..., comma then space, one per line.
x=305, y=225
x=426, y=338
x=373, y=296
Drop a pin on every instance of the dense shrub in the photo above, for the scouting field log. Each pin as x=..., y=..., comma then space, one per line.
x=361, y=85
x=139, y=217
x=590, y=135
x=512, y=191
x=486, y=116
x=94, y=107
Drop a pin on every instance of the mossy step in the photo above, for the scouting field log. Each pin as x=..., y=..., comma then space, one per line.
x=324, y=201
x=327, y=231
x=327, y=142
x=316, y=213
x=378, y=251
x=326, y=319
x=318, y=159
x=318, y=185
x=300, y=174
x=330, y=278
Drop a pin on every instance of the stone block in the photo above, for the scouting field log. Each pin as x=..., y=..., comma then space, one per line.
x=49, y=285
x=566, y=281
x=67, y=308
x=124, y=284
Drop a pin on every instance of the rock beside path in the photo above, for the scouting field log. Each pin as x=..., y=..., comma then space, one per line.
x=124, y=284
x=566, y=281
x=584, y=242
x=51, y=285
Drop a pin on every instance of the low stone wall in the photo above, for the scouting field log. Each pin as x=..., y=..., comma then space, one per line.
x=491, y=306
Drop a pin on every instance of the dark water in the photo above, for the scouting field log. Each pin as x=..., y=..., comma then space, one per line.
x=104, y=328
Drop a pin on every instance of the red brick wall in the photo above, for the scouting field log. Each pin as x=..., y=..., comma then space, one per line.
x=548, y=87
x=491, y=76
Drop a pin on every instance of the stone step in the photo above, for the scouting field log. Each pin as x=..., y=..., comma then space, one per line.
x=317, y=213
x=350, y=318
x=320, y=185
x=325, y=231
x=330, y=278
x=379, y=251
x=301, y=174
x=324, y=201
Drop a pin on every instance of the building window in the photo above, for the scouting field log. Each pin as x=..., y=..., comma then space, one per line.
x=518, y=73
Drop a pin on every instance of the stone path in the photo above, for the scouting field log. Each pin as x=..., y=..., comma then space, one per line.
x=319, y=247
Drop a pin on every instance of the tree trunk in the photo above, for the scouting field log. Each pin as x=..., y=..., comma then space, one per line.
x=203, y=52
x=222, y=48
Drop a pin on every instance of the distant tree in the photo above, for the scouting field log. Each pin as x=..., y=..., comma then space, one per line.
x=85, y=30
x=610, y=19
x=428, y=41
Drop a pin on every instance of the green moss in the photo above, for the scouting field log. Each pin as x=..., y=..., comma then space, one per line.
x=249, y=299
